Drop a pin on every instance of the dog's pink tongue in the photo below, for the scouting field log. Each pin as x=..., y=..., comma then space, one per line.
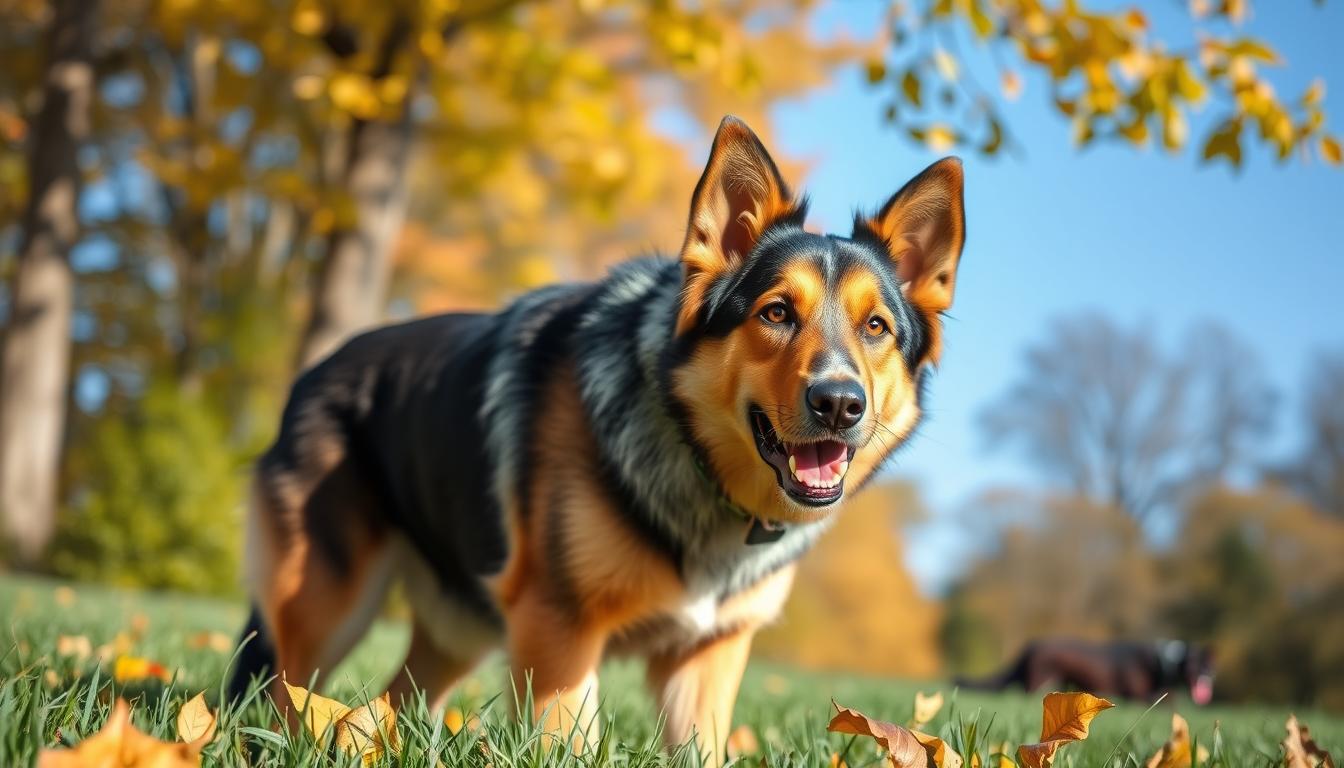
x=806, y=463
x=818, y=462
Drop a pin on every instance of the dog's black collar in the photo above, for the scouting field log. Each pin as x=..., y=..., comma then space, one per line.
x=759, y=530
x=764, y=531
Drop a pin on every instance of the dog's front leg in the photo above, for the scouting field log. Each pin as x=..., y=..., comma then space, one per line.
x=697, y=689
x=560, y=656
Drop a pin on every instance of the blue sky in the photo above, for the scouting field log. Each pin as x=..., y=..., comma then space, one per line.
x=1142, y=236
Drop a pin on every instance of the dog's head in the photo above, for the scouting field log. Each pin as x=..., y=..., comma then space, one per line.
x=798, y=355
x=1199, y=673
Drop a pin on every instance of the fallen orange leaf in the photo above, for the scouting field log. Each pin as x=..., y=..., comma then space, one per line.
x=215, y=641
x=366, y=731
x=77, y=646
x=1065, y=718
x=121, y=745
x=319, y=712
x=905, y=748
x=139, y=625
x=135, y=668
x=120, y=645
x=1299, y=749
x=742, y=741
x=369, y=731
x=926, y=708
x=939, y=754
x=195, y=722
x=1176, y=752
x=453, y=719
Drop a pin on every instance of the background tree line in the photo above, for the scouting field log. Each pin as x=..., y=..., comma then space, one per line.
x=1168, y=514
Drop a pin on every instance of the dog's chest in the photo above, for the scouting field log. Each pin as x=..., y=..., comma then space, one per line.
x=700, y=616
x=682, y=624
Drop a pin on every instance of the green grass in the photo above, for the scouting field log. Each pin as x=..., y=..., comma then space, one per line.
x=48, y=700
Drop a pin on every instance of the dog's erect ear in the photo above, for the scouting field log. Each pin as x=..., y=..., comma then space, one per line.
x=923, y=227
x=740, y=194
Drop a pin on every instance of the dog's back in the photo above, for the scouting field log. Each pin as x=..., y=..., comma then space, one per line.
x=382, y=440
x=348, y=467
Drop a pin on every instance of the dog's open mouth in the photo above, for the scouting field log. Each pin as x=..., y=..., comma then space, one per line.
x=811, y=473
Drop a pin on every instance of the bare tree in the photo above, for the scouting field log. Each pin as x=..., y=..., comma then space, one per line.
x=1317, y=472
x=1105, y=413
x=35, y=365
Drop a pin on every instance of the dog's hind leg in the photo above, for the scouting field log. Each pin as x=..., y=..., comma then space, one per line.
x=321, y=566
x=429, y=668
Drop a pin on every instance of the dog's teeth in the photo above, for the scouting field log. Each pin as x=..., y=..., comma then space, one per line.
x=793, y=466
x=844, y=467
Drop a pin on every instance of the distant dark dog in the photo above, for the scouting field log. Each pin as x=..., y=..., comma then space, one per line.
x=628, y=466
x=1127, y=669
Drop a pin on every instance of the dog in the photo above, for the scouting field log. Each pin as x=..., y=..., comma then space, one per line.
x=1132, y=670
x=631, y=466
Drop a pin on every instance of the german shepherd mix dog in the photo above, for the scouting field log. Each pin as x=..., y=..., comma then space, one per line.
x=627, y=466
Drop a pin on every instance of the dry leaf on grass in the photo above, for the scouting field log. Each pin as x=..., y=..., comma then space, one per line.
x=926, y=708
x=1065, y=718
x=215, y=641
x=1176, y=752
x=367, y=731
x=742, y=741
x=130, y=668
x=455, y=720
x=905, y=748
x=195, y=722
x=121, y=745
x=1299, y=749
x=139, y=625
x=319, y=712
x=940, y=755
x=1002, y=756
x=77, y=647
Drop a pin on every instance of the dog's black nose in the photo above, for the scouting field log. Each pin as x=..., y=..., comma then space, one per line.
x=837, y=403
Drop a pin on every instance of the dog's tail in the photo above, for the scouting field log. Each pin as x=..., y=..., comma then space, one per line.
x=256, y=657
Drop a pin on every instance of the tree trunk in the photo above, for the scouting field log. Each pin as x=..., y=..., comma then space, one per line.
x=35, y=363
x=352, y=282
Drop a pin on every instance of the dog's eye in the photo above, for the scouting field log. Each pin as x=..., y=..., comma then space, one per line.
x=775, y=313
x=876, y=326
